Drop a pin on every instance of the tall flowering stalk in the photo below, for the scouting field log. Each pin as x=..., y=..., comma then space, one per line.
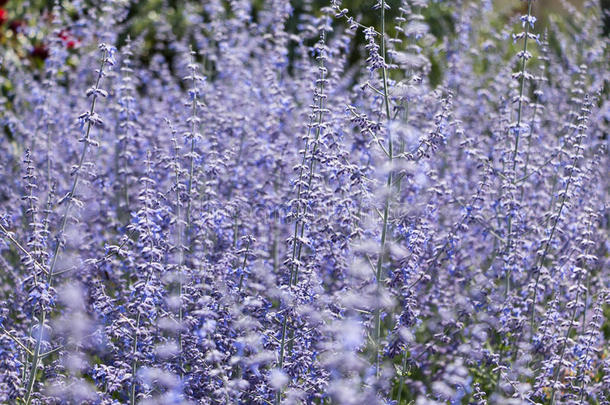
x=185, y=226
x=89, y=119
x=517, y=128
x=304, y=184
x=572, y=171
x=576, y=305
x=590, y=338
x=146, y=292
x=388, y=190
x=127, y=128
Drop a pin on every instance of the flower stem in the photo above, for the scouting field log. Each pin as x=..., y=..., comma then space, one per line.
x=386, y=208
x=518, y=132
x=43, y=312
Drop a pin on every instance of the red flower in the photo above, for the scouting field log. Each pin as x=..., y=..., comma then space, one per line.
x=69, y=41
x=63, y=34
x=3, y=16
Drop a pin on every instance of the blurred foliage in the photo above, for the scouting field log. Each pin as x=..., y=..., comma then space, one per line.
x=143, y=18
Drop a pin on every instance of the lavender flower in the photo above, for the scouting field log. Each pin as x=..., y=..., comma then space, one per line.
x=294, y=202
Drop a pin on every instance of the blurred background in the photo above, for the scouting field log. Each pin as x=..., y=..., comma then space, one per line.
x=26, y=27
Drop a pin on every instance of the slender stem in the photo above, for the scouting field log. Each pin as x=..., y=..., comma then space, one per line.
x=25, y=358
x=398, y=188
x=565, y=343
x=548, y=244
x=16, y=340
x=189, y=188
x=386, y=208
x=584, y=312
x=401, y=384
x=518, y=133
x=243, y=267
x=572, y=319
x=134, y=363
x=180, y=261
x=191, y=161
x=529, y=144
x=124, y=178
x=298, y=233
x=589, y=343
x=312, y=165
x=294, y=250
x=22, y=249
x=43, y=313
x=522, y=85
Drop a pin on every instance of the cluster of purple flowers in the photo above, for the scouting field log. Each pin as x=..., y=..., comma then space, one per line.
x=257, y=220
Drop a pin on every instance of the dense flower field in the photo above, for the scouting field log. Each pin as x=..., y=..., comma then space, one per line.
x=259, y=220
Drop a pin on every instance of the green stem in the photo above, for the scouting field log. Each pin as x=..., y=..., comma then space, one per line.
x=243, y=267
x=565, y=344
x=386, y=208
x=296, y=245
x=553, y=229
x=180, y=247
x=43, y=313
x=516, y=150
x=401, y=384
x=187, y=229
x=522, y=86
x=134, y=364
